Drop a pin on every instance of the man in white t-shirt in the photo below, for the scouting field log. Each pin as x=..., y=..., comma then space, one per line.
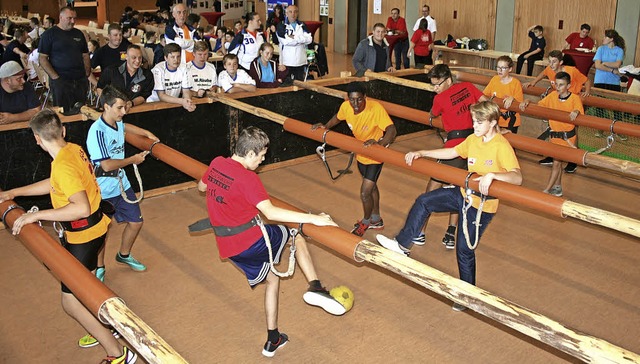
x=170, y=79
x=203, y=74
x=431, y=22
x=36, y=28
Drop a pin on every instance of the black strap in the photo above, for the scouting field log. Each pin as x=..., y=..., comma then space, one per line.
x=99, y=172
x=487, y=197
x=563, y=134
x=235, y=230
x=83, y=224
x=509, y=116
x=458, y=134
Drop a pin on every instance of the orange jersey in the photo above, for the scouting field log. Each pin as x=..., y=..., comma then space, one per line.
x=502, y=90
x=496, y=155
x=370, y=123
x=552, y=101
x=71, y=172
x=577, y=78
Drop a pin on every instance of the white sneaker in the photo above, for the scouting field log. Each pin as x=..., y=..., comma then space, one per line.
x=391, y=244
x=325, y=301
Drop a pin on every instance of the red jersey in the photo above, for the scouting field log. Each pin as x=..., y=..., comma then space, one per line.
x=398, y=26
x=453, y=104
x=232, y=195
x=575, y=41
x=422, y=40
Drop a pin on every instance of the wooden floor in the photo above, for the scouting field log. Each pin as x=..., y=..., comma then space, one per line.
x=581, y=275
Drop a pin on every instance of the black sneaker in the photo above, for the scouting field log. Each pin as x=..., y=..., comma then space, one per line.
x=548, y=161
x=270, y=348
x=571, y=168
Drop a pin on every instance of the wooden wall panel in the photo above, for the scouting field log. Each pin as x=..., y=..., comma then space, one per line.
x=310, y=10
x=473, y=19
x=636, y=59
x=599, y=14
x=387, y=5
x=115, y=8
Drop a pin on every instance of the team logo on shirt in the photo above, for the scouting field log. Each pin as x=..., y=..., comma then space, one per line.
x=135, y=88
x=471, y=161
x=488, y=162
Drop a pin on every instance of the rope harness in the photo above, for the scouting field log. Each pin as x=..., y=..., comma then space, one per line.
x=321, y=151
x=99, y=172
x=465, y=207
x=610, y=139
x=292, y=256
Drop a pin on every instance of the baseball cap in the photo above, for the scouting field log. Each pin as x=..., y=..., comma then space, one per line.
x=11, y=68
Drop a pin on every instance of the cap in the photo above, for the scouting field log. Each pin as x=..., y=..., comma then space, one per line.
x=11, y=68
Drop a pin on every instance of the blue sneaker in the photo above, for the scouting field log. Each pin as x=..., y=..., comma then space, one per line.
x=131, y=262
x=419, y=240
x=100, y=272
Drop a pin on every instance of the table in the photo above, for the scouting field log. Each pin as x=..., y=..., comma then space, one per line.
x=212, y=16
x=17, y=20
x=583, y=60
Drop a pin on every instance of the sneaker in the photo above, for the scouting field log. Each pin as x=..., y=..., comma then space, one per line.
x=100, y=272
x=571, y=168
x=419, y=240
x=458, y=307
x=128, y=357
x=556, y=190
x=131, y=262
x=324, y=300
x=89, y=341
x=270, y=348
x=378, y=225
x=548, y=161
x=391, y=244
x=449, y=240
x=359, y=228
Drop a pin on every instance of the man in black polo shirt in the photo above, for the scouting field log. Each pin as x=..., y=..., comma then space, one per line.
x=112, y=53
x=17, y=50
x=18, y=101
x=135, y=81
x=65, y=57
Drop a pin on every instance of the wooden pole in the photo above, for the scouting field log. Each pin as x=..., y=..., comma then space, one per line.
x=578, y=156
x=98, y=298
x=399, y=81
x=519, y=318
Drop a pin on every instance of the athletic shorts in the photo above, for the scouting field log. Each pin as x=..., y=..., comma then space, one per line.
x=370, y=171
x=126, y=212
x=254, y=262
x=86, y=253
x=458, y=162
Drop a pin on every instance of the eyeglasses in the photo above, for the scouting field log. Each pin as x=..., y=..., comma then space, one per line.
x=502, y=68
x=439, y=84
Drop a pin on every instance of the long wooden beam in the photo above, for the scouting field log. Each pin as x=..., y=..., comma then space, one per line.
x=582, y=346
x=98, y=298
x=578, y=156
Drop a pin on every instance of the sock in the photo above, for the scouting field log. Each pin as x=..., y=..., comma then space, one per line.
x=375, y=218
x=273, y=335
x=315, y=285
x=124, y=255
x=451, y=229
x=366, y=221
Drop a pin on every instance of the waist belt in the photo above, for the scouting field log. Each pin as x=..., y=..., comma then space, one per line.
x=457, y=134
x=235, y=230
x=563, y=134
x=99, y=172
x=480, y=195
x=83, y=224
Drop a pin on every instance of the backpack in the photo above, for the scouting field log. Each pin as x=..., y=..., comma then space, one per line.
x=478, y=44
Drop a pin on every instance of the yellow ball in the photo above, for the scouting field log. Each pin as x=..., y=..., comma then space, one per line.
x=343, y=295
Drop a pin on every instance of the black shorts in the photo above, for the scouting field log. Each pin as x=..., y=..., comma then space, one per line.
x=458, y=162
x=370, y=171
x=86, y=253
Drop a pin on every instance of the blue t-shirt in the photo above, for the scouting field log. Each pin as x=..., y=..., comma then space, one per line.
x=65, y=49
x=606, y=54
x=107, y=142
x=267, y=73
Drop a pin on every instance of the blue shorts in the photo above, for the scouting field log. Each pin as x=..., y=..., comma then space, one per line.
x=126, y=212
x=254, y=262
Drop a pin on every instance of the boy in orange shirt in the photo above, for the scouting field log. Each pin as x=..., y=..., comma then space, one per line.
x=371, y=124
x=508, y=88
x=561, y=133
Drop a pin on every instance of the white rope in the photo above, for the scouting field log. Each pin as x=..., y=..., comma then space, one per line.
x=468, y=202
x=122, y=191
x=292, y=256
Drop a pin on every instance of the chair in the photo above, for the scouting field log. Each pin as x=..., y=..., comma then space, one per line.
x=106, y=26
x=311, y=63
x=135, y=39
x=92, y=24
x=43, y=78
x=147, y=54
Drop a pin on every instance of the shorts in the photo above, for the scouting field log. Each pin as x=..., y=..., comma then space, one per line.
x=86, y=253
x=126, y=212
x=254, y=262
x=370, y=171
x=458, y=162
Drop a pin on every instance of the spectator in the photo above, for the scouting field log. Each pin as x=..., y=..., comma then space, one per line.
x=228, y=38
x=36, y=29
x=536, y=49
x=170, y=79
x=397, y=26
x=48, y=23
x=275, y=17
x=32, y=60
x=421, y=44
x=431, y=22
x=65, y=58
x=126, y=32
x=237, y=27
x=180, y=33
x=136, y=82
x=150, y=39
x=92, y=46
x=204, y=77
x=265, y=71
x=608, y=59
x=247, y=43
x=293, y=37
x=580, y=39
x=4, y=42
x=18, y=101
x=220, y=39
x=158, y=51
x=164, y=5
x=126, y=15
x=112, y=53
x=232, y=79
x=372, y=53
x=17, y=50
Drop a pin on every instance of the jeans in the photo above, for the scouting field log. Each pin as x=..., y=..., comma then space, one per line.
x=446, y=199
x=400, y=49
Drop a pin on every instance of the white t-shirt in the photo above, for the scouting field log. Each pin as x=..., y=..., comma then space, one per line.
x=33, y=35
x=171, y=82
x=226, y=82
x=202, y=78
x=431, y=25
x=32, y=62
